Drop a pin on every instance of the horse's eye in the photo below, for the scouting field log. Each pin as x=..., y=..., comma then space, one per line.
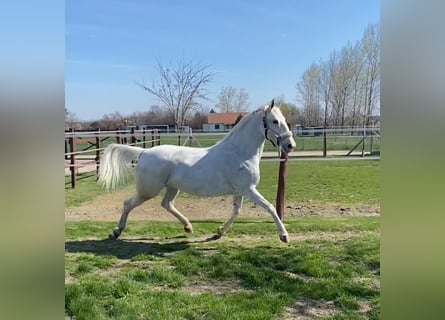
x=275, y=121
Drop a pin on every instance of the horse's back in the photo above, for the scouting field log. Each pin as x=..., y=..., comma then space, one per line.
x=170, y=154
x=196, y=171
x=163, y=161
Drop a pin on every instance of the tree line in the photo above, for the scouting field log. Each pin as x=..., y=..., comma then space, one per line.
x=157, y=115
x=343, y=90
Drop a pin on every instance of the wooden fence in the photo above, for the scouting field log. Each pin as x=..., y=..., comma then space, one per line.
x=84, y=149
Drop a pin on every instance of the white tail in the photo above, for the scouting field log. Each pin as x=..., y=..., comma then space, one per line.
x=115, y=164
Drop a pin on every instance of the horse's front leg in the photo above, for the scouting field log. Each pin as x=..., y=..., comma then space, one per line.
x=129, y=205
x=237, y=204
x=257, y=198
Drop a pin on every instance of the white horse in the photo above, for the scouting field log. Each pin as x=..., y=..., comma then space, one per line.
x=229, y=167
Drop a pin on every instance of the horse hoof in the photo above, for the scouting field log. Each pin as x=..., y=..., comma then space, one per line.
x=284, y=238
x=188, y=229
x=215, y=237
x=111, y=236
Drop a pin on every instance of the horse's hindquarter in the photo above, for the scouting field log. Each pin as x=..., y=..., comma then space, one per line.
x=153, y=170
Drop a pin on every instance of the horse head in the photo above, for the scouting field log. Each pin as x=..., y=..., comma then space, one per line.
x=276, y=129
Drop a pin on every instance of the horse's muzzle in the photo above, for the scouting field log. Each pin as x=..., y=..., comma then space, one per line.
x=288, y=146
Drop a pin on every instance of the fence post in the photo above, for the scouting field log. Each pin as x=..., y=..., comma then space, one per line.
x=118, y=138
x=281, y=185
x=66, y=149
x=72, y=159
x=325, y=147
x=143, y=138
x=364, y=137
x=97, y=153
x=282, y=172
x=190, y=137
x=133, y=138
x=155, y=138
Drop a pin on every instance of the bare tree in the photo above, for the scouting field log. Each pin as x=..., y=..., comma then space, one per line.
x=232, y=100
x=290, y=112
x=325, y=86
x=309, y=94
x=357, y=83
x=348, y=83
x=181, y=88
x=371, y=52
x=158, y=115
x=341, y=84
x=71, y=120
x=198, y=120
x=112, y=121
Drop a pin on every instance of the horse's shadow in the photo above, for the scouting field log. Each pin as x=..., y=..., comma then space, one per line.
x=129, y=248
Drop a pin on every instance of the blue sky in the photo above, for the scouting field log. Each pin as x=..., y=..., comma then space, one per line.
x=262, y=46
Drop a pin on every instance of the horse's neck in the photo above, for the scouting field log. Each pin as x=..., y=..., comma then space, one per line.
x=247, y=141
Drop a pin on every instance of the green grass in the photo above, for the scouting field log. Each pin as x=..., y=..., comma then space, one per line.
x=344, y=182
x=86, y=189
x=157, y=272
x=336, y=142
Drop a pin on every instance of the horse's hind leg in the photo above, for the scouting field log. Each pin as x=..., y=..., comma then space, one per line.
x=129, y=205
x=237, y=204
x=168, y=204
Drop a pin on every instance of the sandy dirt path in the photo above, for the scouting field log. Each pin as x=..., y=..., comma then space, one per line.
x=108, y=208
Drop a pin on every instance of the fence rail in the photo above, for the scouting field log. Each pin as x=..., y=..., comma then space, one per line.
x=83, y=149
x=86, y=143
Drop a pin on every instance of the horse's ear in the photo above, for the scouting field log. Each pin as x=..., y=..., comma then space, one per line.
x=272, y=103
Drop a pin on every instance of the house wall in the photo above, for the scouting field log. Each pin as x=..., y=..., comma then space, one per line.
x=214, y=127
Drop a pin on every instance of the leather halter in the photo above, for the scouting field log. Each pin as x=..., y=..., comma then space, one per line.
x=279, y=137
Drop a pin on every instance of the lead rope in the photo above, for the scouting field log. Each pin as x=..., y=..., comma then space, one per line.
x=279, y=148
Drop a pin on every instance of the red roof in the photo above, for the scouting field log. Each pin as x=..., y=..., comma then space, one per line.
x=227, y=118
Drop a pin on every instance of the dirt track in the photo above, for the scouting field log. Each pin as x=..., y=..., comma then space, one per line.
x=108, y=208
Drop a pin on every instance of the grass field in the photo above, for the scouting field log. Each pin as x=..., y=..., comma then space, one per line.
x=249, y=274
x=329, y=270
x=333, y=181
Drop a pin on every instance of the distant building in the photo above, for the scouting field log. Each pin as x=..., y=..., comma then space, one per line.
x=220, y=122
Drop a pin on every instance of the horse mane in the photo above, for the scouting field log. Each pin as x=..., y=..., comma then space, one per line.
x=244, y=120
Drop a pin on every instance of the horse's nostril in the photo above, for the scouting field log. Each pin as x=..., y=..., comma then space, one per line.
x=289, y=146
